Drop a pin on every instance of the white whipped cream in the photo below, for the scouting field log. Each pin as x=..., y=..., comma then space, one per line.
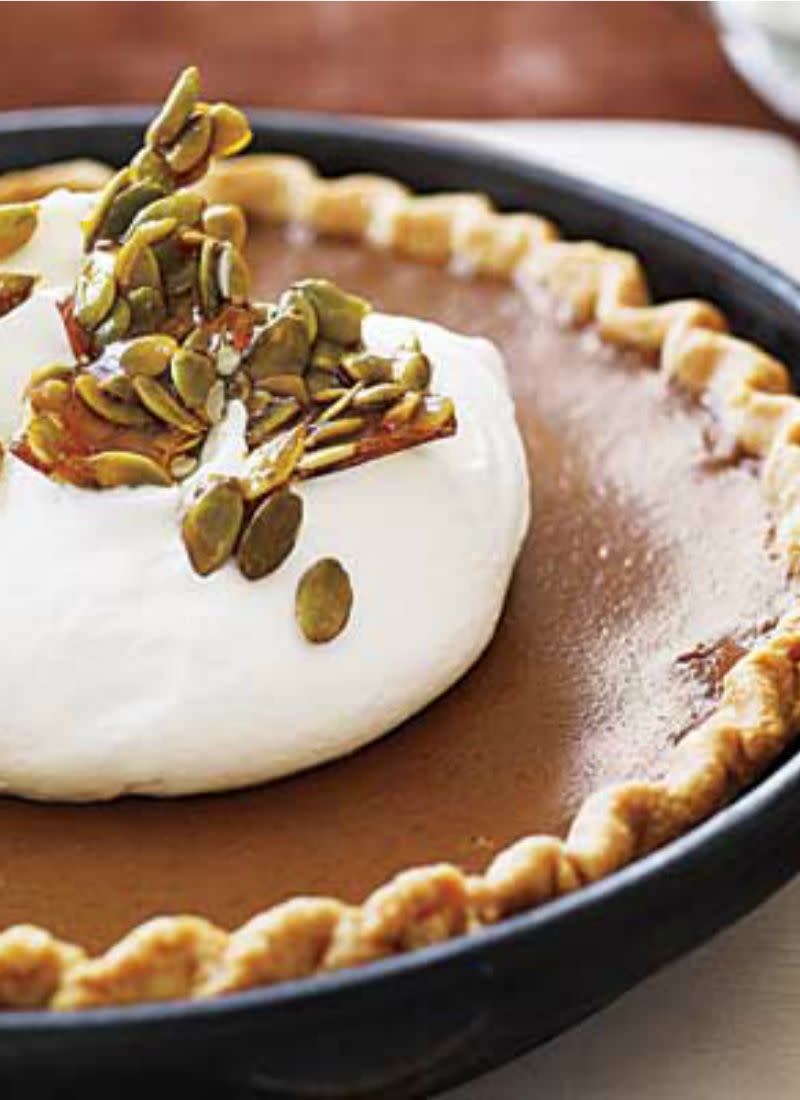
x=124, y=671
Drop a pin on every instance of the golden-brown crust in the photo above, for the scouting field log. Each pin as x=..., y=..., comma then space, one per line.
x=756, y=717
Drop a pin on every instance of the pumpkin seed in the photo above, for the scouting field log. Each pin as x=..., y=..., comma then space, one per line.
x=270, y=466
x=335, y=430
x=148, y=355
x=192, y=376
x=279, y=415
x=115, y=326
x=340, y=404
x=326, y=356
x=404, y=411
x=270, y=536
x=215, y=402
x=414, y=371
x=327, y=458
x=192, y=145
x=140, y=269
x=53, y=370
x=177, y=266
x=126, y=206
x=149, y=164
x=365, y=366
x=96, y=289
x=231, y=130
x=116, y=412
x=128, y=269
x=113, y=469
x=159, y=401
x=233, y=278
x=375, y=396
x=323, y=600
x=178, y=106
x=287, y=385
x=18, y=221
x=294, y=301
x=318, y=382
x=199, y=339
x=186, y=207
x=207, y=281
x=280, y=347
x=330, y=395
x=120, y=387
x=14, y=290
x=44, y=435
x=435, y=414
x=340, y=314
x=211, y=526
x=50, y=396
x=147, y=309
x=93, y=222
x=183, y=465
x=226, y=222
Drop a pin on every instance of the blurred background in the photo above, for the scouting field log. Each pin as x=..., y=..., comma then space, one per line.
x=458, y=60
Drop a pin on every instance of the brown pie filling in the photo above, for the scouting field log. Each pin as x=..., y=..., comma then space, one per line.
x=646, y=570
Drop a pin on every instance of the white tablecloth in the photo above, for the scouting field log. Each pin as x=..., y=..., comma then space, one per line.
x=722, y=1022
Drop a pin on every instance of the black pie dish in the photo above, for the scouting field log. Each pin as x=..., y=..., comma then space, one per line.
x=410, y=1026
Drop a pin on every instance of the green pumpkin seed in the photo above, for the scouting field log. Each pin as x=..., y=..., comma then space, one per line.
x=186, y=207
x=211, y=526
x=93, y=222
x=148, y=311
x=193, y=375
x=148, y=355
x=52, y=370
x=177, y=266
x=149, y=165
x=44, y=435
x=337, y=407
x=435, y=414
x=365, y=366
x=178, y=106
x=51, y=395
x=18, y=223
x=115, y=326
x=231, y=130
x=227, y=223
x=335, y=430
x=294, y=301
x=323, y=600
x=96, y=289
x=414, y=371
x=280, y=347
x=14, y=290
x=327, y=356
x=270, y=536
x=126, y=206
x=207, y=279
x=327, y=459
x=159, y=401
x=287, y=385
x=183, y=465
x=271, y=465
x=233, y=277
x=192, y=146
x=129, y=258
x=116, y=412
x=374, y=396
x=404, y=411
x=340, y=314
x=278, y=416
x=120, y=387
x=113, y=469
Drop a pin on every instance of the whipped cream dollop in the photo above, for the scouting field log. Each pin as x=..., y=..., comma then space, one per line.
x=125, y=671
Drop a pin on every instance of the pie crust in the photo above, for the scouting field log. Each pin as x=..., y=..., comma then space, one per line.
x=758, y=711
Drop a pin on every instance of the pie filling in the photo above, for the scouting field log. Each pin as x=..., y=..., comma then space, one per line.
x=647, y=572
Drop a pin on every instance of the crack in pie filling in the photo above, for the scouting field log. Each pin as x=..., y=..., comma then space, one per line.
x=246, y=531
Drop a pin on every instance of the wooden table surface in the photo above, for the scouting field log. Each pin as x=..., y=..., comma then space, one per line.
x=460, y=60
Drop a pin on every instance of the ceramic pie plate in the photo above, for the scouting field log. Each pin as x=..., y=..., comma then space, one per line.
x=416, y=1023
